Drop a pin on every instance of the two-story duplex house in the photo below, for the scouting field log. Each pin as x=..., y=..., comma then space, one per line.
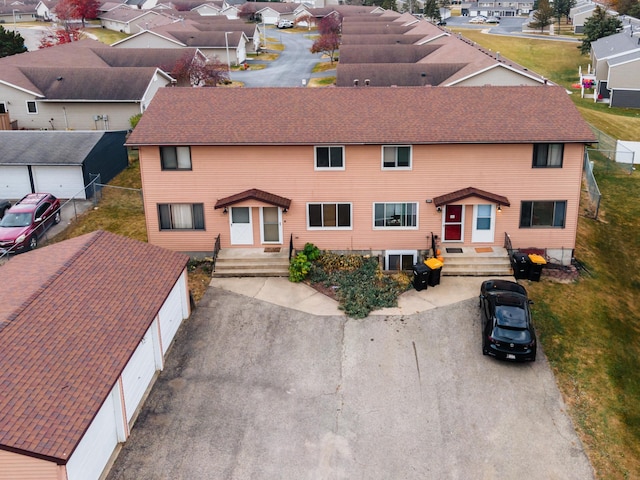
x=365, y=169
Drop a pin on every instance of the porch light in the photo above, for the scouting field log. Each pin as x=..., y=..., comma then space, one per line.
x=285, y=210
x=225, y=211
x=499, y=208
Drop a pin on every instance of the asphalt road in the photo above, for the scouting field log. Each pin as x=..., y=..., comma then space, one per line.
x=291, y=69
x=256, y=391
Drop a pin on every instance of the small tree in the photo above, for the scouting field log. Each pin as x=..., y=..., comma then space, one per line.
x=10, y=43
x=330, y=24
x=60, y=36
x=543, y=16
x=327, y=43
x=198, y=72
x=247, y=12
x=599, y=24
x=68, y=10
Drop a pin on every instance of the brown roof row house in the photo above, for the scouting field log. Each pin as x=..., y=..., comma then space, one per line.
x=360, y=169
x=84, y=85
x=374, y=53
x=82, y=339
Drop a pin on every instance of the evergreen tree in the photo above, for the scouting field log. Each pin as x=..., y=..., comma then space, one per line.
x=599, y=24
x=431, y=10
x=543, y=16
x=10, y=43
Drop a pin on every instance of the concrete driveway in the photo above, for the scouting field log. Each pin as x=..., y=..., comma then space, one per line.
x=253, y=390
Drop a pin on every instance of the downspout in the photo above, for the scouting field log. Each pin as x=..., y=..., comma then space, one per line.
x=66, y=121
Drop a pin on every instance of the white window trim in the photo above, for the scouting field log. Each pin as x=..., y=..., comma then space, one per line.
x=315, y=159
x=373, y=217
x=410, y=167
x=350, y=227
x=387, y=253
x=27, y=102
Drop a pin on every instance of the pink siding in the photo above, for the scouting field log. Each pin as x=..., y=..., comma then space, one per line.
x=288, y=171
x=14, y=466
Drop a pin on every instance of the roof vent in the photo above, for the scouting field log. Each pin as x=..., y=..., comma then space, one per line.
x=367, y=82
x=356, y=82
x=59, y=79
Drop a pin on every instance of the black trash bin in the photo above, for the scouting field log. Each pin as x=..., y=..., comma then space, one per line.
x=420, y=276
x=521, y=265
x=537, y=262
x=435, y=269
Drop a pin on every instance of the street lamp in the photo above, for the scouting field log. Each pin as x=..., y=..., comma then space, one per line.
x=226, y=42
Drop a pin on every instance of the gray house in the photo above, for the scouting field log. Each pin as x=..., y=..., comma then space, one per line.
x=59, y=162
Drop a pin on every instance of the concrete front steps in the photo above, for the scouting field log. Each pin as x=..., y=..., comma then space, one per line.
x=477, y=262
x=252, y=262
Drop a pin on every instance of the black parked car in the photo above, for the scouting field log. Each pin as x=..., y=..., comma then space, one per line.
x=507, y=331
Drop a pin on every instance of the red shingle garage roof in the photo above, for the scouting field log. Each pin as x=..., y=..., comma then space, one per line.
x=74, y=315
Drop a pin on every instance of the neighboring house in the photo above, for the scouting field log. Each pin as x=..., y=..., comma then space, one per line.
x=131, y=20
x=209, y=9
x=83, y=85
x=141, y=4
x=373, y=52
x=45, y=10
x=225, y=45
x=581, y=12
x=377, y=174
x=62, y=163
x=82, y=339
x=615, y=73
x=272, y=12
x=497, y=8
x=17, y=12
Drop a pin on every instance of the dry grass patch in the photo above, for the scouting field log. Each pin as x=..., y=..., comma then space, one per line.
x=322, y=82
x=324, y=66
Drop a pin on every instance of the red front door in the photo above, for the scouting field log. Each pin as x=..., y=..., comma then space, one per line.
x=453, y=223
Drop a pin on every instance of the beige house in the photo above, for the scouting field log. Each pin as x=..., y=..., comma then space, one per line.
x=366, y=169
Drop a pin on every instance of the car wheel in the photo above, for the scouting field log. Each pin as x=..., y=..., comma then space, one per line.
x=57, y=217
x=33, y=242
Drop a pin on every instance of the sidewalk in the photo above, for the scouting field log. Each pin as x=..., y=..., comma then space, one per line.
x=302, y=297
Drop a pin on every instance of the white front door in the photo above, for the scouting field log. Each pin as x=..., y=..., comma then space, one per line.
x=270, y=225
x=241, y=226
x=484, y=219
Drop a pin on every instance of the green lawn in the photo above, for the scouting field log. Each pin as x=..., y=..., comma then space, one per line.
x=590, y=330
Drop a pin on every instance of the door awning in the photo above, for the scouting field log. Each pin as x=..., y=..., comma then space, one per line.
x=458, y=195
x=254, y=194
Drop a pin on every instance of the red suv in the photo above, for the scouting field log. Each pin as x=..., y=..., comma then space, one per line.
x=25, y=222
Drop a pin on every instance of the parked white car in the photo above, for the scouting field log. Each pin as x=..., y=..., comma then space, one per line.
x=285, y=24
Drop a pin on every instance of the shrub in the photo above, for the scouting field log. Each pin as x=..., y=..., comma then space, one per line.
x=311, y=251
x=299, y=268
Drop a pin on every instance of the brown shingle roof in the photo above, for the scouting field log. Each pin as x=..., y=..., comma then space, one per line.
x=254, y=194
x=402, y=74
x=348, y=115
x=77, y=313
x=470, y=192
x=385, y=53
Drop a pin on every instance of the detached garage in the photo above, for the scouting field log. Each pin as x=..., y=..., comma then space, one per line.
x=59, y=162
x=82, y=340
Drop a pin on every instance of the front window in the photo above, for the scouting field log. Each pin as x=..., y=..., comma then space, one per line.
x=547, y=155
x=329, y=215
x=3, y=107
x=330, y=158
x=396, y=157
x=181, y=216
x=543, y=214
x=175, y=158
x=32, y=107
x=395, y=215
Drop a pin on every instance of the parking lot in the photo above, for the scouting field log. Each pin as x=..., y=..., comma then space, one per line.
x=256, y=390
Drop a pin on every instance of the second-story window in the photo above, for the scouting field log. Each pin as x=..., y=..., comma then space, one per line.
x=396, y=157
x=175, y=158
x=330, y=158
x=548, y=155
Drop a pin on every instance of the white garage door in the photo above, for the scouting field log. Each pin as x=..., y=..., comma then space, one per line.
x=137, y=375
x=97, y=445
x=14, y=182
x=173, y=311
x=61, y=181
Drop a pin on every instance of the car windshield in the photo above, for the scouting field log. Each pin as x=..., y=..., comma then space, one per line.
x=510, y=316
x=16, y=220
x=512, y=335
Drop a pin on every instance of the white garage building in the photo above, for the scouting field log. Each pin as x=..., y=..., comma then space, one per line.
x=83, y=335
